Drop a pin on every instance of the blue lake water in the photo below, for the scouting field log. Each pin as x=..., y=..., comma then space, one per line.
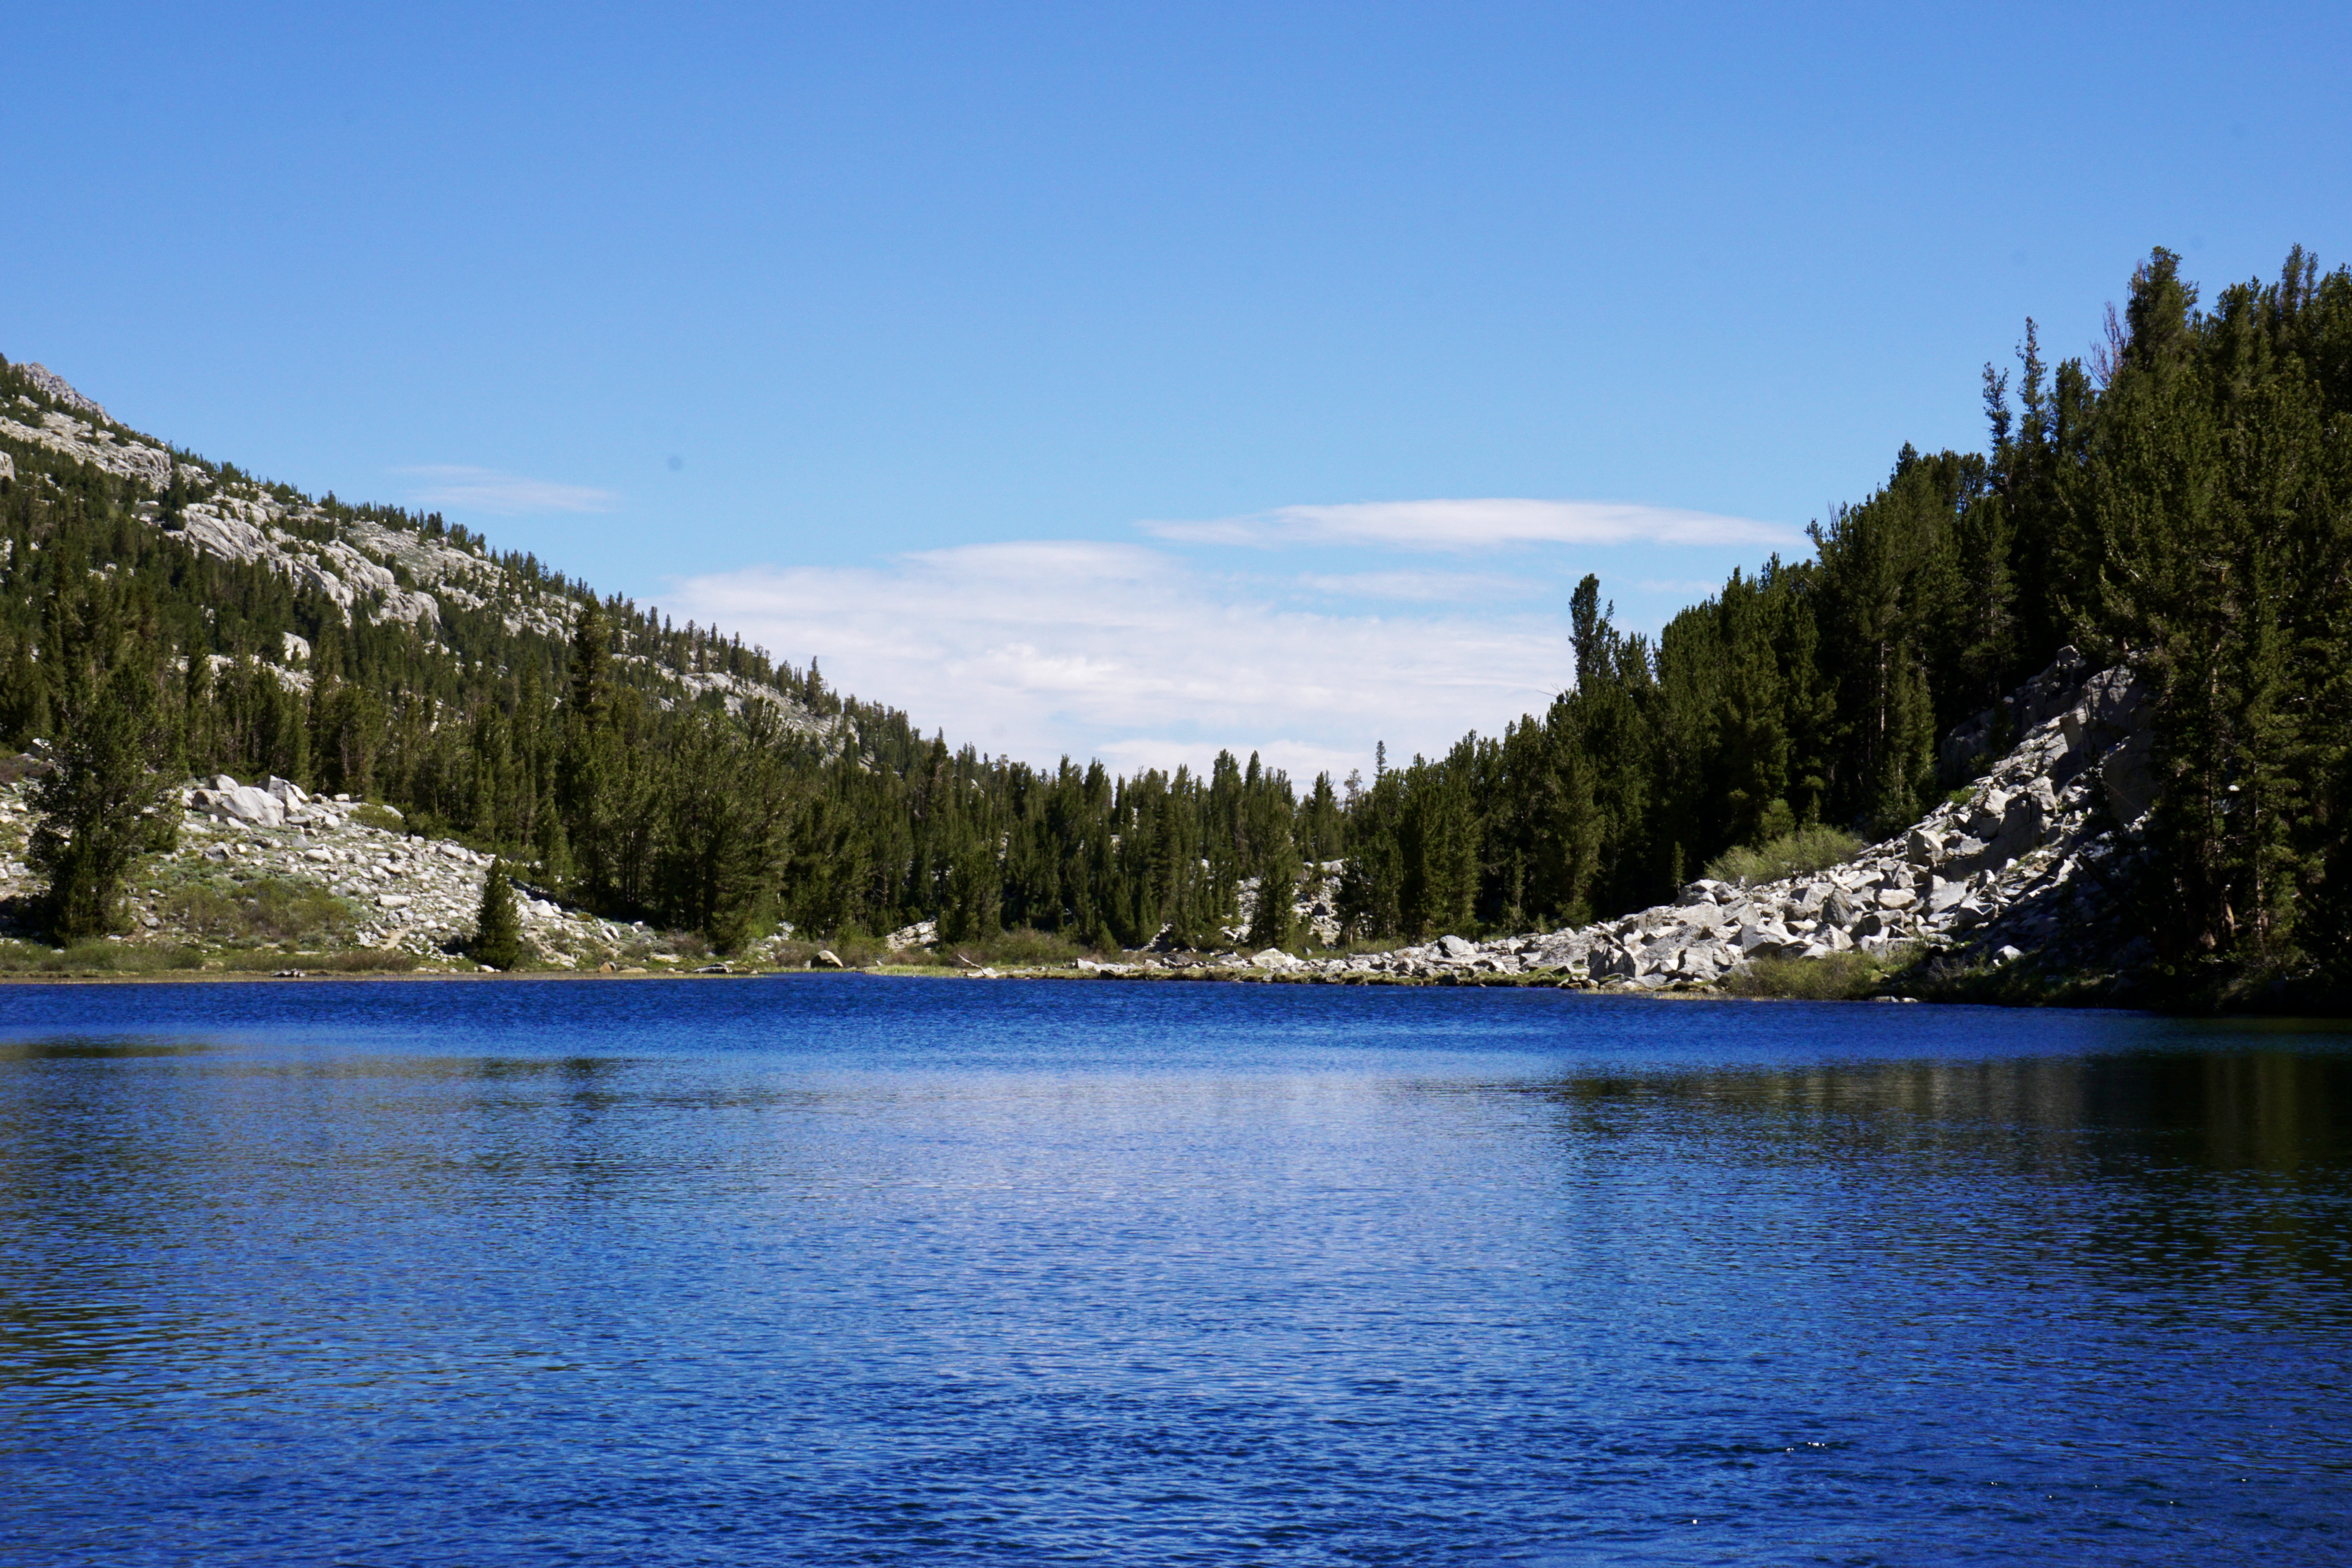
x=839, y=1269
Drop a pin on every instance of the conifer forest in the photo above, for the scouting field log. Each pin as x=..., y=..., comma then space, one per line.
x=2178, y=499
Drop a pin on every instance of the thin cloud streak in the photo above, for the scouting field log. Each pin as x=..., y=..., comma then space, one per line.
x=1424, y=587
x=1487, y=524
x=463, y=489
x=1041, y=649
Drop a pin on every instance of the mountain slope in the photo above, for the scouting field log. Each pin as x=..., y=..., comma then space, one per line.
x=2179, y=511
x=374, y=565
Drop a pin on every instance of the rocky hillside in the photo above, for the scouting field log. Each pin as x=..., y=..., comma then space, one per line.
x=263, y=869
x=2025, y=867
x=366, y=569
x=371, y=569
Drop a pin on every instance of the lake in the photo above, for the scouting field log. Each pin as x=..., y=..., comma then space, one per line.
x=833, y=1268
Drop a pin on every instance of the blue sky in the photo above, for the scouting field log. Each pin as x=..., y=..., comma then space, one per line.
x=1076, y=378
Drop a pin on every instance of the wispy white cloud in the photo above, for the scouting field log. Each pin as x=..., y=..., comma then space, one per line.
x=1153, y=654
x=1425, y=587
x=463, y=489
x=1458, y=525
x=1120, y=651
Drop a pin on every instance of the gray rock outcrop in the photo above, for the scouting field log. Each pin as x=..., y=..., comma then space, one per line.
x=1314, y=907
x=57, y=386
x=2033, y=847
x=2020, y=713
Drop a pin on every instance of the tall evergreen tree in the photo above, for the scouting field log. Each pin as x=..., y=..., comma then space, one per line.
x=497, y=925
x=25, y=712
x=100, y=806
x=1274, y=851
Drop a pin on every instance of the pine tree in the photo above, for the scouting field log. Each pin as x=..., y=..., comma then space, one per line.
x=586, y=785
x=1273, y=923
x=196, y=706
x=102, y=805
x=25, y=712
x=497, y=927
x=1372, y=883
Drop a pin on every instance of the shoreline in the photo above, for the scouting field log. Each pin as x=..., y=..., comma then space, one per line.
x=1204, y=974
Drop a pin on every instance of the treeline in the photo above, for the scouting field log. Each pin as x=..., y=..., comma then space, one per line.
x=2182, y=502
x=2178, y=501
x=592, y=761
x=730, y=823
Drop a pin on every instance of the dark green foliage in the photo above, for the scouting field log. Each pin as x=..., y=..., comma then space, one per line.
x=497, y=928
x=1269, y=842
x=25, y=713
x=2215, y=538
x=98, y=809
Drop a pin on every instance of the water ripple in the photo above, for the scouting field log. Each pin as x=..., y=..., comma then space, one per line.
x=843, y=1270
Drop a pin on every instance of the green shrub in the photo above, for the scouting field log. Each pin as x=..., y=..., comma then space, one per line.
x=271, y=909
x=1354, y=947
x=2024, y=983
x=913, y=957
x=1847, y=976
x=98, y=957
x=351, y=961
x=102, y=957
x=1021, y=947
x=853, y=947
x=1812, y=847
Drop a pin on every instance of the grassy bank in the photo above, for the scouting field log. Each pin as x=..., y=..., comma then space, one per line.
x=1852, y=976
x=106, y=959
